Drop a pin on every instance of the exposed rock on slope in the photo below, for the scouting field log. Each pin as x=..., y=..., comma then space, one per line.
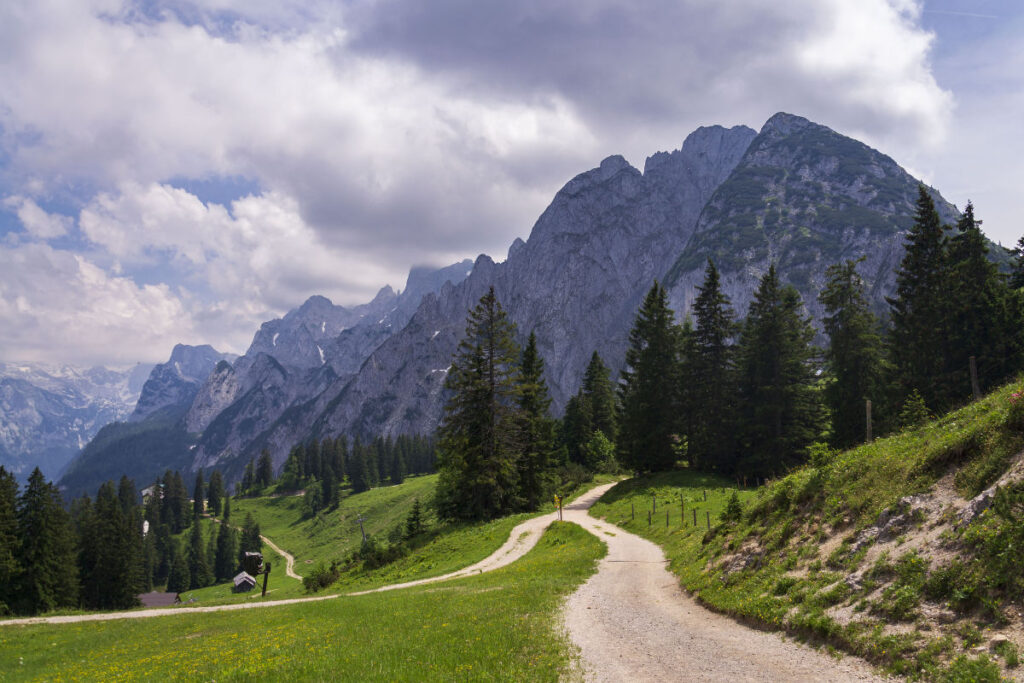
x=173, y=385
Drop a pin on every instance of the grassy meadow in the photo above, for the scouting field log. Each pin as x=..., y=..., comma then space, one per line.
x=501, y=625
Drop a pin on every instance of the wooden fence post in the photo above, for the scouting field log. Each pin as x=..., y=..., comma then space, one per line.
x=707, y=515
x=648, y=518
x=867, y=413
x=695, y=517
x=974, y=379
x=632, y=510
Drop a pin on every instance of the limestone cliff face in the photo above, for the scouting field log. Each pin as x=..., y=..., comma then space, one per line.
x=803, y=197
x=173, y=385
x=592, y=255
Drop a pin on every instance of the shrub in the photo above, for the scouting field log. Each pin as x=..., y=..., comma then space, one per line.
x=980, y=670
x=321, y=577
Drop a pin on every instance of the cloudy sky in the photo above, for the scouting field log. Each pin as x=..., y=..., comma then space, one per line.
x=181, y=171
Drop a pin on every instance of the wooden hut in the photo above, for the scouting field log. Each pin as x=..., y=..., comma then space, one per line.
x=244, y=582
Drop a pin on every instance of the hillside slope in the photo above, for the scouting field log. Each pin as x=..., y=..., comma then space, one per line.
x=904, y=551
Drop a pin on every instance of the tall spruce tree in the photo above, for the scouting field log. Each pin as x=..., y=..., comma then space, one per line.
x=215, y=492
x=648, y=388
x=359, y=469
x=265, y=469
x=226, y=559
x=110, y=569
x=709, y=387
x=47, y=553
x=199, y=572
x=198, y=496
x=9, y=542
x=980, y=315
x=855, y=356
x=479, y=444
x=577, y=427
x=780, y=407
x=918, y=312
x=178, y=580
x=536, y=428
x=600, y=395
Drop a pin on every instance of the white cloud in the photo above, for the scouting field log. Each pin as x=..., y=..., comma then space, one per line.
x=58, y=305
x=36, y=221
x=375, y=155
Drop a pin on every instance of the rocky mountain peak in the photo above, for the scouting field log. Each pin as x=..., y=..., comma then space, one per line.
x=782, y=124
x=173, y=385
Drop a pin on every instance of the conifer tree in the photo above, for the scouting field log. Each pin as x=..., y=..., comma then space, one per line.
x=46, y=554
x=709, y=390
x=414, y=522
x=980, y=317
x=536, y=428
x=479, y=446
x=199, y=572
x=227, y=508
x=111, y=558
x=397, y=474
x=9, y=542
x=780, y=406
x=854, y=357
x=648, y=389
x=215, y=492
x=198, y=496
x=248, y=478
x=178, y=580
x=225, y=560
x=917, y=309
x=600, y=396
x=249, y=540
x=1017, y=269
x=177, y=507
x=359, y=473
x=577, y=426
x=265, y=469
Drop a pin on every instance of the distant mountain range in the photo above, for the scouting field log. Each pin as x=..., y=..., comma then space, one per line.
x=794, y=193
x=49, y=412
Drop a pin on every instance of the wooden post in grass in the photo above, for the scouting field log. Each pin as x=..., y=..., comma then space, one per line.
x=705, y=495
x=694, y=518
x=266, y=575
x=666, y=518
x=632, y=510
x=362, y=519
x=648, y=518
x=654, y=502
x=867, y=412
x=682, y=511
x=974, y=379
x=707, y=515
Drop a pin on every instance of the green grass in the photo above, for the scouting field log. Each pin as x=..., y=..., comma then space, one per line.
x=334, y=533
x=788, y=585
x=496, y=626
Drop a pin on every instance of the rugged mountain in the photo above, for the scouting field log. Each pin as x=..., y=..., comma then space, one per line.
x=153, y=437
x=803, y=197
x=172, y=386
x=576, y=282
x=48, y=412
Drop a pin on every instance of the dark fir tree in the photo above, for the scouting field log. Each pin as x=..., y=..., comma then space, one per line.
x=600, y=397
x=265, y=470
x=854, y=357
x=226, y=558
x=249, y=540
x=1017, y=269
x=397, y=474
x=917, y=310
x=178, y=577
x=227, y=508
x=536, y=428
x=478, y=449
x=199, y=571
x=46, y=554
x=215, y=492
x=577, y=427
x=198, y=495
x=9, y=569
x=648, y=388
x=110, y=557
x=177, y=505
x=248, y=478
x=980, y=315
x=414, y=522
x=359, y=469
x=709, y=388
x=780, y=408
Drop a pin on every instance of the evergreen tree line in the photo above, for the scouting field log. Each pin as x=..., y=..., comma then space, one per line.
x=740, y=398
x=747, y=399
x=106, y=550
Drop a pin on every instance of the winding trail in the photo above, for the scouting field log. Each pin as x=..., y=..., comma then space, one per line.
x=289, y=567
x=632, y=622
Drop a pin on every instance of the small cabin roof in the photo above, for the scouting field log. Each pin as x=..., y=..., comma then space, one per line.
x=244, y=577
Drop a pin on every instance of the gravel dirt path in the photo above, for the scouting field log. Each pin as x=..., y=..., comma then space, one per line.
x=632, y=622
x=289, y=567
